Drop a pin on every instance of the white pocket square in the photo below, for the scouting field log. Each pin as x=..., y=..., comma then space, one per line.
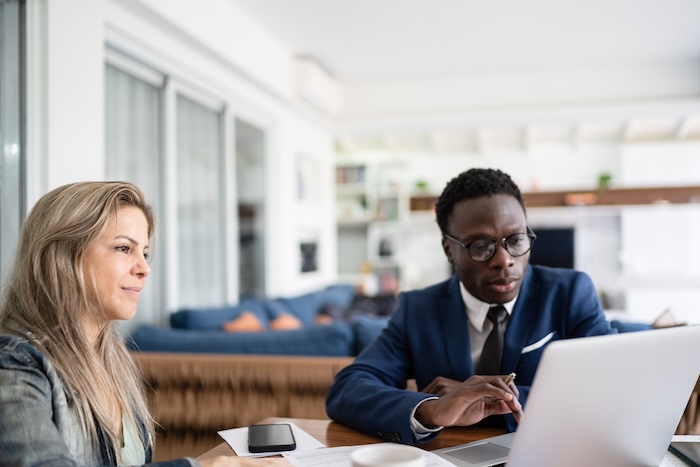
x=538, y=344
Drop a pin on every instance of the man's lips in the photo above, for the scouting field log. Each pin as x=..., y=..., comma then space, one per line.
x=503, y=285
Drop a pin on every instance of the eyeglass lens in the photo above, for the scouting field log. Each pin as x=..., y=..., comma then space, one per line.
x=516, y=245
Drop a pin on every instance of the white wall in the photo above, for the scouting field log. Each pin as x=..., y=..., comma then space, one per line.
x=211, y=46
x=660, y=257
x=661, y=163
x=74, y=88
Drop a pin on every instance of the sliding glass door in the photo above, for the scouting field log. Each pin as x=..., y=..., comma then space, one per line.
x=200, y=247
x=202, y=167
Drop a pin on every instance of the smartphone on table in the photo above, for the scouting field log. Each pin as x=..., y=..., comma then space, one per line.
x=271, y=438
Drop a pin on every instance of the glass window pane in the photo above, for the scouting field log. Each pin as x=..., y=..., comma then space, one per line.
x=201, y=273
x=11, y=132
x=250, y=180
x=133, y=131
x=133, y=148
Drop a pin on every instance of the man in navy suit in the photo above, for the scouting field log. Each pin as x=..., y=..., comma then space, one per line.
x=436, y=335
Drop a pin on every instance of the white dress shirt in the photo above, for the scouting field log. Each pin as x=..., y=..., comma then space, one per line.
x=478, y=328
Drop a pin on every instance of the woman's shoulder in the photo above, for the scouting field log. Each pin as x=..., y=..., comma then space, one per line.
x=19, y=351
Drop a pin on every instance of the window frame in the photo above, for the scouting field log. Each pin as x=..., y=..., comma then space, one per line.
x=230, y=106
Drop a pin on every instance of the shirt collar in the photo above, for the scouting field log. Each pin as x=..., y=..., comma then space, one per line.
x=477, y=310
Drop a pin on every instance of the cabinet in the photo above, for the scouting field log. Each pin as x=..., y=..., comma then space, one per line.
x=351, y=194
x=365, y=194
x=378, y=222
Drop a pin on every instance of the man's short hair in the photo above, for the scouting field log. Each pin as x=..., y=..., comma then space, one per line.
x=474, y=183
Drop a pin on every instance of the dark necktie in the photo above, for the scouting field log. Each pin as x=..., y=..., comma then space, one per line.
x=490, y=362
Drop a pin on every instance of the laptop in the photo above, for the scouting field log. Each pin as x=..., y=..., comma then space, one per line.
x=613, y=400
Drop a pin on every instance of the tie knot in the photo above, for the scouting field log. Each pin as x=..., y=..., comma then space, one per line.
x=497, y=314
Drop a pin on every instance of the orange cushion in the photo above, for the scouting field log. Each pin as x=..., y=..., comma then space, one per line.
x=323, y=319
x=246, y=322
x=285, y=322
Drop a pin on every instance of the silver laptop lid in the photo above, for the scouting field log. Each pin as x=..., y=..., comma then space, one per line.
x=599, y=401
x=608, y=400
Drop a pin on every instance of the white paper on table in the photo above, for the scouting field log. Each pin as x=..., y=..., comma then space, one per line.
x=686, y=438
x=237, y=438
x=340, y=457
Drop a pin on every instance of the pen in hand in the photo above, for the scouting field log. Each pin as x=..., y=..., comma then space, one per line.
x=508, y=379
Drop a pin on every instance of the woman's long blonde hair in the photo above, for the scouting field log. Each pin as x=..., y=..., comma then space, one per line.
x=47, y=295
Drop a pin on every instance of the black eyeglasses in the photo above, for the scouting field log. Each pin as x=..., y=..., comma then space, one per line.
x=482, y=249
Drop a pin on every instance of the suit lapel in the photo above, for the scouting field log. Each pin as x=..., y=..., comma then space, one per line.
x=455, y=329
x=521, y=320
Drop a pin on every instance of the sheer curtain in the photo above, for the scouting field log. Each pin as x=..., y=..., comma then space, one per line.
x=201, y=259
x=133, y=148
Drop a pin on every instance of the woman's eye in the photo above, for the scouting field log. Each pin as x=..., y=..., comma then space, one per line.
x=124, y=249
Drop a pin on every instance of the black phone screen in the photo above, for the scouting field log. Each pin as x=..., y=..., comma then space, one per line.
x=271, y=438
x=688, y=451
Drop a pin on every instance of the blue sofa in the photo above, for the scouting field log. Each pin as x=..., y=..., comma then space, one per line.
x=201, y=330
x=202, y=379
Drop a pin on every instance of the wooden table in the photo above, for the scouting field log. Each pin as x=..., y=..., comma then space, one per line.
x=334, y=434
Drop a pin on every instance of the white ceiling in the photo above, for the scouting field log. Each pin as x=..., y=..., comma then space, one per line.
x=365, y=42
x=361, y=40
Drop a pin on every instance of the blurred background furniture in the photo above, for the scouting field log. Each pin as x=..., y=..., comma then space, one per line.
x=193, y=396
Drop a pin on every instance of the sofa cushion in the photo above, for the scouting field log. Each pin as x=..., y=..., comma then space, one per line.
x=305, y=307
x=285, y=322
x=366, y=330
x=212, y=318
x=629, y=326
x=245, y=322
x=332, y=340
x=340, y=295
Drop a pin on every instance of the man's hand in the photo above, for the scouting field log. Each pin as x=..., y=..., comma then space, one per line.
x=441, y=386
x=468, y=402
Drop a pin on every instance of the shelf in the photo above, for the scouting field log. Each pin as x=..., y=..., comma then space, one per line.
x=354, y=222
x=609, y=197
x=422, y=202
x=351, y=189
x=614, y=196
x=352, y=174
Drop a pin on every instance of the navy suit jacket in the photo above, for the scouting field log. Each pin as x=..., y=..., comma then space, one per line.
x=427, y=336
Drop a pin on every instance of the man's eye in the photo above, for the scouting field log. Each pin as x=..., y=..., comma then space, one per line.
x=480, y=245
x=515, y=241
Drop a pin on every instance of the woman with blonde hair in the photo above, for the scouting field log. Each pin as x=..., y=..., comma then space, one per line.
x=70, y=393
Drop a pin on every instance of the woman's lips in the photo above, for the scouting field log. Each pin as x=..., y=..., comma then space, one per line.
x=134, y=292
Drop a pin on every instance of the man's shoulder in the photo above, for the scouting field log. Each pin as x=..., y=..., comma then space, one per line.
x=547, y=274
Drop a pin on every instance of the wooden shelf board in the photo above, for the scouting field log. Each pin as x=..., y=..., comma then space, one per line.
x=614, y=196
x=608, y=197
